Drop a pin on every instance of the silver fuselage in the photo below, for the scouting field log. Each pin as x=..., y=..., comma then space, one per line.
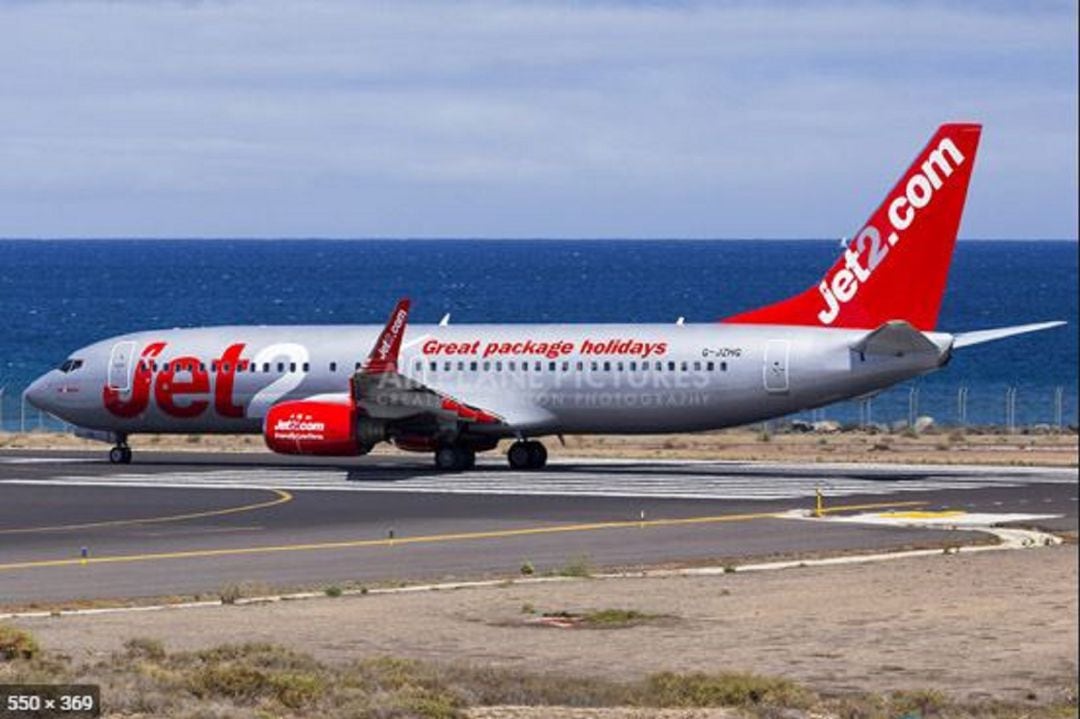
x=707, y=376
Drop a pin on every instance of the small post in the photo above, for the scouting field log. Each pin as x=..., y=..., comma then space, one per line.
x=22, y=413
x=819, y=502
x=913, y=405
x=1, y=409
x=1059, y=407
x=390, y=536
x=84, y=555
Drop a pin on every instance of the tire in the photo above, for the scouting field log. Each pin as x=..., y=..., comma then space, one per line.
x=468, y=458
x=537, y=455
x=126, y=459
x=519, y=456
x=117, y=456
x=447, y=459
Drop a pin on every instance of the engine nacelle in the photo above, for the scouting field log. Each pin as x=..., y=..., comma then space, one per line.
x=330, y=429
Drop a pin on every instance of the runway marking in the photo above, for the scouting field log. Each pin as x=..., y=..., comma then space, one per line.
x=433, y=538
x=660, y=482
x=282, y=498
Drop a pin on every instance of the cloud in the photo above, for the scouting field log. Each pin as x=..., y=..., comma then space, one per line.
x=522, y=119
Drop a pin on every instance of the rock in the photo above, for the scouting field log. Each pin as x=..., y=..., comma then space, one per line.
x=801, y=425
x=923, y=423
x=827, y=426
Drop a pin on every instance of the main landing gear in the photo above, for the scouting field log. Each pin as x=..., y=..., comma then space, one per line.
x=121, y=453
x=454, y=459
x=528, y=454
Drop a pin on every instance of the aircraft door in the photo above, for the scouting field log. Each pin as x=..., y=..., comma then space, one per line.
x=123, y=354
x=775, y=370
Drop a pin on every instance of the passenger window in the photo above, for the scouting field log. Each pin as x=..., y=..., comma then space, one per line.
x=213, y=367
x=487, y=366
x=498, y=366
x=594, y=366
x=580, y=366
x=419, y=366
x=551, y=366
x=697, y=366
x=511, y=366
x=307, y=366
x=683, y=366
x=333, y=366
x=723, y=366
x=710, y=366
x=280, y=366
x=447, y=366
x=607, y=366
x=671, y=366
x=473, y=366
x=266, y=367
x=460, y=366
x=434, y=366
x=633, y=366
x=619, y=366
x=538, y=366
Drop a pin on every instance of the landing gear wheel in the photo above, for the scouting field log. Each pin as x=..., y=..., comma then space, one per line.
x=454, y=459
x=120, y=455
x=518, y=456
x=527, y=455
x=537, y=455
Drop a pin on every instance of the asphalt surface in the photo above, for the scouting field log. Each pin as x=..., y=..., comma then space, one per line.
x=187, y=523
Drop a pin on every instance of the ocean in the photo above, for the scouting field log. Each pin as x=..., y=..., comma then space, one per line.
x=59, y=295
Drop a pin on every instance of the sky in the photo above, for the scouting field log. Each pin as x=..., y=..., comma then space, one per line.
x=327, y=118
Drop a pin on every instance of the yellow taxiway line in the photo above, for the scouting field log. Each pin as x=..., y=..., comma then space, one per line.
x=281, y=498
x=430, y=538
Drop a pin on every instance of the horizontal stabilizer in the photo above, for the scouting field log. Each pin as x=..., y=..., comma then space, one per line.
x=965, y=339
x=895, y=338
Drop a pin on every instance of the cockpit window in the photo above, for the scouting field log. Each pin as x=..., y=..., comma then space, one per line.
x=70, y=365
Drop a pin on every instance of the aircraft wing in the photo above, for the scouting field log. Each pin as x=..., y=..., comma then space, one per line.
x=382, y=392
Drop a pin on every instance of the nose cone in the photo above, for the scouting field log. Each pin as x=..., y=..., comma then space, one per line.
x=39, y=391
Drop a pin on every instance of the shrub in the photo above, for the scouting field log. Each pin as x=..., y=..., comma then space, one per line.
x=527, y=569
x=723, y=690
x=333, y=591
x=577, y=567
x=143, y=648
x=17, y=644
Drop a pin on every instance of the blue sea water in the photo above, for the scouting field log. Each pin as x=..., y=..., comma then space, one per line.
x=59, y=295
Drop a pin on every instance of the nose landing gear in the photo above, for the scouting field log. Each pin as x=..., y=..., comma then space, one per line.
x=121, y=453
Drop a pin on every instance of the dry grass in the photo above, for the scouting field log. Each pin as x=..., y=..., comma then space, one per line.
x=260, y=680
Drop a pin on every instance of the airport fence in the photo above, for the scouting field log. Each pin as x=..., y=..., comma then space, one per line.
x=1005, y=407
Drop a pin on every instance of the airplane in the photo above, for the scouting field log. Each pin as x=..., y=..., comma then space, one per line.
x=456, y=390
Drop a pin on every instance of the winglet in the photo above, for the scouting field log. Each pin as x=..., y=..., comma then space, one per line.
x=384, y=354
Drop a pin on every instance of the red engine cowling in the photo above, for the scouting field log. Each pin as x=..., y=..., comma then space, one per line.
x=311, y=427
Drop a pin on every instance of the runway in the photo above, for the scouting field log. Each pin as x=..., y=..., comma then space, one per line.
x=188, y=523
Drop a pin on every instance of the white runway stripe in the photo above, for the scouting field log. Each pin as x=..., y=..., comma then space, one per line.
x=663, y=481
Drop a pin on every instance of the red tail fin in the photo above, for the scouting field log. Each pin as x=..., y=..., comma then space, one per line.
x=896, y=267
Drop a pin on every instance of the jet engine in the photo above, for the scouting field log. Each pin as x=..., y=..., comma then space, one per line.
x=329, y=429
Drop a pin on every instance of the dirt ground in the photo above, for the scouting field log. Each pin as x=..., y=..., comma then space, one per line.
x=938, y=446
x=997, y=624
